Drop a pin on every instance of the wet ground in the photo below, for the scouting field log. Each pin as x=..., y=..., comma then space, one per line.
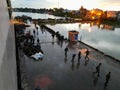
x=57, y=72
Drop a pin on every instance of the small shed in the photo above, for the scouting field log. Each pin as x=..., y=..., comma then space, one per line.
x=73, y=35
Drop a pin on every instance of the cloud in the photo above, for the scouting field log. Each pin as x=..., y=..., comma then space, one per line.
x=13, y=0
x=110, y=5
x=33, y=3
x=69, y=4
x=52, y=0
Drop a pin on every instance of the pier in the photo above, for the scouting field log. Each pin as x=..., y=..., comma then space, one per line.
x=56, y=70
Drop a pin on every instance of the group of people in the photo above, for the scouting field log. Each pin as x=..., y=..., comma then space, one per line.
x=79, y=55
x=27, y=42
x=34, y=31
x=108, y=75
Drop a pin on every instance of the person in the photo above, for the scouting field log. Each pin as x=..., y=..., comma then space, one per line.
x=38, y=41
x=79, y=56
x=73, y=57
x=34, y=32
x=37, y=30
x=108, y=75
x=66, y=50
x=37, y=88
x=87, y=53
x=53, y=36
x=98, y=69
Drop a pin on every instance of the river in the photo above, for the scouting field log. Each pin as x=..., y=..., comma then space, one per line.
x=35, y=15
x=103, y=37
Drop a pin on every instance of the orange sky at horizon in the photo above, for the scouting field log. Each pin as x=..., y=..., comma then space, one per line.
x=69, y=4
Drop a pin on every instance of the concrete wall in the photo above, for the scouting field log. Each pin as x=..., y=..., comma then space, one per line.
x=8, y=74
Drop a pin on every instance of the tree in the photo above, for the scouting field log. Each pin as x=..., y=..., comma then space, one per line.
x=83, y=11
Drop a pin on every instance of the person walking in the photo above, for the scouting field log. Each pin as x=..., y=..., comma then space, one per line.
x=66, y=50
x=37, y=88
x=79, y=56
x=73, y=57
x=52, y=36
x=34, y=32
x=37, y=30
x=108, y=75
x=38, y=41
x=98, y=69
x=87, y=53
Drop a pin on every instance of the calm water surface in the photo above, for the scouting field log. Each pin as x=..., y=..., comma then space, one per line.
x=35, y=15
x=103, y=37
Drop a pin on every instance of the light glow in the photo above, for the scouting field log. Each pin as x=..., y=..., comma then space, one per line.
x=12, y=21
x=93, y=17
x=90, y=29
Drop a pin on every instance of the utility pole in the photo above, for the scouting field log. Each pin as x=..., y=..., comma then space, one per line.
x=58, y=4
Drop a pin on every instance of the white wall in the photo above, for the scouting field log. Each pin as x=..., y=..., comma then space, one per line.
x=8, y=75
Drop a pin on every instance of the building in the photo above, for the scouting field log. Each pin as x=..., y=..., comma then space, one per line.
x=118, y=16
x=94, y=14
x=8, y=72
x=111, y=14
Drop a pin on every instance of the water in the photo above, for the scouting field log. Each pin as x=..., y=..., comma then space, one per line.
x=102, y=37
x=35, y=15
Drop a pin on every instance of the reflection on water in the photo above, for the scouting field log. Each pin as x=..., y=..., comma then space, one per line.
x=95, y=79
x=65, y=59
x=108, y=27
x=89, y=29
x=102, y=26
x=78, y=65
x=73, y=66
x=86, y=62
x=101, y=36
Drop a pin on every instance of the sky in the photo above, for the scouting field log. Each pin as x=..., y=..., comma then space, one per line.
x=68, y=4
